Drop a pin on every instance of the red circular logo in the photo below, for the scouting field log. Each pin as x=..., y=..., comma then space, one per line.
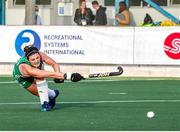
x=172, y=46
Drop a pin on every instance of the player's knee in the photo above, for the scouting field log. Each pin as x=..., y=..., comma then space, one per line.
x=33, y=89
x=35, y=93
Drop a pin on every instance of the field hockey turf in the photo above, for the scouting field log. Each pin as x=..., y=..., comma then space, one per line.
x=107, y=104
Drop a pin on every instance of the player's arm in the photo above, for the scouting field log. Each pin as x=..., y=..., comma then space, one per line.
x=27, y=70
x=49, y=61
x=75, y=77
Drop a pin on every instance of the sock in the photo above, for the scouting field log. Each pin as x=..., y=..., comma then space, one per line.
x=42, y=88
x=51, y=93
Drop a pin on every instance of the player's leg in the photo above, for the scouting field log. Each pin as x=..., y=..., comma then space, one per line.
x=52, y=94
x=40, y=88
x=33, y=89
x=52, y=99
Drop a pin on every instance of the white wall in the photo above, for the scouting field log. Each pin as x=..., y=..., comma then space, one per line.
x=13, y=19
x=15, y=15
x=129, y=71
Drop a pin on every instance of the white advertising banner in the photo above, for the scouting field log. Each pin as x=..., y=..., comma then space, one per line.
x=157, y=45
x=7, y=44
x=69, y=44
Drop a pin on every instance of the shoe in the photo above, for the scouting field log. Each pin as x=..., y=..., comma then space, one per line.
x=52, y=102
x=45, y=107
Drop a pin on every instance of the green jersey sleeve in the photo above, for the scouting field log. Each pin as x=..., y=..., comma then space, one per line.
x=25, y=82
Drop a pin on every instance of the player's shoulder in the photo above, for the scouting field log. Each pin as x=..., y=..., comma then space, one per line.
x=22, y=60
x=24, y=67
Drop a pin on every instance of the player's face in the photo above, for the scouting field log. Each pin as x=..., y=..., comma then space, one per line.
x=35, y=60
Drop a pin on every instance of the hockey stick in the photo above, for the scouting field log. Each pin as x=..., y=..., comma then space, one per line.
x=107, y=74
x=76, y=77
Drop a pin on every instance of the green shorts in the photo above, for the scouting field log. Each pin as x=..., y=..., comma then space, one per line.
x=25, y=82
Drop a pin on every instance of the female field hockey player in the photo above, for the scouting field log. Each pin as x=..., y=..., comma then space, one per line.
x=29, y=73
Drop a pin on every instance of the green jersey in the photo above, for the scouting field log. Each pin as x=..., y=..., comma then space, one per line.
x=25, y=82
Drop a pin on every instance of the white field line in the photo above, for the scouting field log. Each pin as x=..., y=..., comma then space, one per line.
x=118, y=93
x=99, y=102
x=7, y=82
x=94, y=80
x=12, y=82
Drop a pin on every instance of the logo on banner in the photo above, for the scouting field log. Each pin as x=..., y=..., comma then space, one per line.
x=172, y=46
x=25, y=38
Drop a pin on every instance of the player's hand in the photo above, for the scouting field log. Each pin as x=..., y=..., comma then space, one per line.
x=58, y=80
x=75, y=77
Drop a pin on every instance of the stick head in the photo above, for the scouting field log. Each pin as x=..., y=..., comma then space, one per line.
x=120, y=69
